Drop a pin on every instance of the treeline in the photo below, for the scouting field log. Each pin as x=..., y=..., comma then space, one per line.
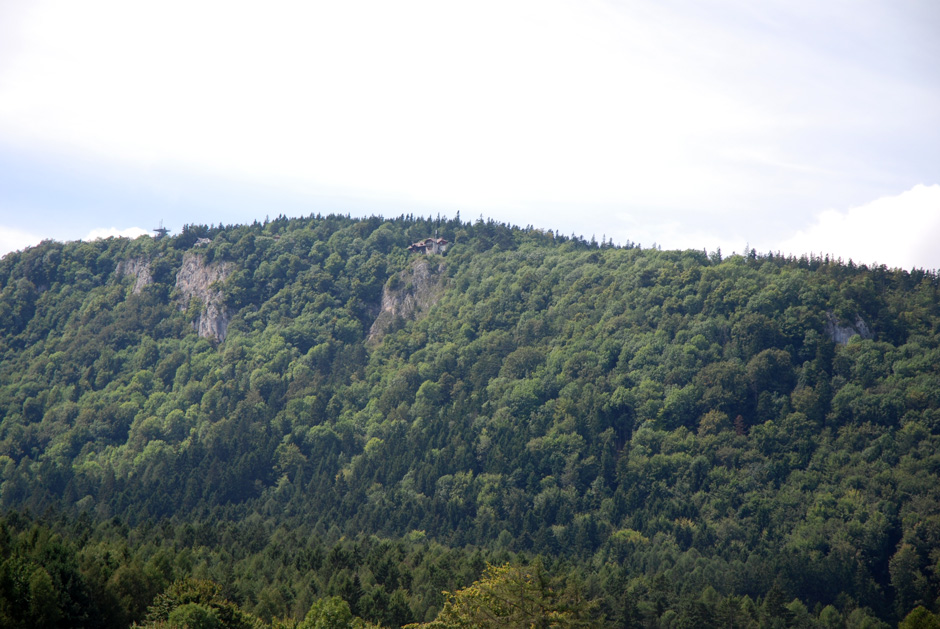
x=75, y=574
x=678, y=436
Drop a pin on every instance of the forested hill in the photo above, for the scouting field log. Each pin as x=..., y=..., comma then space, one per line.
x=256, y=422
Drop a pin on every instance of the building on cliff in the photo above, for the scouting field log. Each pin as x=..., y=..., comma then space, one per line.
x=429, y=246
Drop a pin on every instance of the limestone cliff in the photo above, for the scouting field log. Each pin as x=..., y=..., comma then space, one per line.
x=408, y=295
x=200, y=280
x=841, y=334
x=137, y=267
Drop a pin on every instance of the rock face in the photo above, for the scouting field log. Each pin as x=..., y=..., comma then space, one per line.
x=841, y=334
x=139, y=268
x=408, y=296
x=197, y=279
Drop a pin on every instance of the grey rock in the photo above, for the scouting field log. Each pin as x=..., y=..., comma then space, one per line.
x=411, y=295
x=201, y=280
x=139, y=268
x=841, y=334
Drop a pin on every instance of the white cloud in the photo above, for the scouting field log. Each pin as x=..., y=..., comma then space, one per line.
x=484, y=104
x=898, y=231
x=12, y=239
x=109, y=232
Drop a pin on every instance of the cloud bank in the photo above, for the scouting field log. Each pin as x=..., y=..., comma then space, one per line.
x=898, y=231
x=12, y=239
x=486, y=105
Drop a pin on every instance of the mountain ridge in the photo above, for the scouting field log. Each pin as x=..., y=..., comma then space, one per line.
x=674, y=432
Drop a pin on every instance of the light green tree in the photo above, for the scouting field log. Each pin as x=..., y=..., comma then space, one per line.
x=333, y=613
x=920, y=618
x=512, y=596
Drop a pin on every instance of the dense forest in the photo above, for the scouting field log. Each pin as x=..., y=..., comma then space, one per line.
x=300, y=423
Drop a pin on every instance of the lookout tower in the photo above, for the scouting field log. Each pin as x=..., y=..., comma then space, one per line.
x=161, y=231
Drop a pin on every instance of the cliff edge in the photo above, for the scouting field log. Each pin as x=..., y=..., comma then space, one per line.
x=408, y=295
x=200, y=280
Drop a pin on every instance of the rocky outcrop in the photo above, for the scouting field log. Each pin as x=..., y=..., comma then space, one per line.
x=200, y=280
x=408, y=295
x=139, y=268
x=841, y=334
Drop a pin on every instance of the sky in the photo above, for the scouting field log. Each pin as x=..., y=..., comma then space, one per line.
x=795, y=126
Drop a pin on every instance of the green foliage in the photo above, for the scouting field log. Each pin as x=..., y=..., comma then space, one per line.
x=332, y=613
x=193, y=616
x=676, y=432
x=512, y=596
x=328, y=613
x=920, y=618
x=197, y=604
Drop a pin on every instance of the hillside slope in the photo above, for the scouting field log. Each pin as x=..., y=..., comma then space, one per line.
x=684, y=436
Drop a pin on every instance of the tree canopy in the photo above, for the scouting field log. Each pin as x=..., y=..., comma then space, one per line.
x=672, y=438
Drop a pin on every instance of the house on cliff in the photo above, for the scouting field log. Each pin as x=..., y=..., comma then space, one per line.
x=429, y=246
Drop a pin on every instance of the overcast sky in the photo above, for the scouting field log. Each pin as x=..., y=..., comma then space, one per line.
x=792, y=125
